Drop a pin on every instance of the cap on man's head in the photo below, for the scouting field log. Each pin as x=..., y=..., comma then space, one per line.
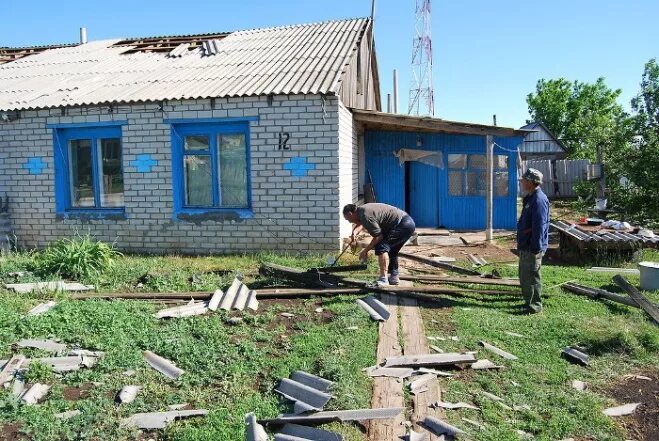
x=532, y=175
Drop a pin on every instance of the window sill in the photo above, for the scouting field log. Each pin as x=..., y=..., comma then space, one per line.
x=94, y=214
x=197, y=215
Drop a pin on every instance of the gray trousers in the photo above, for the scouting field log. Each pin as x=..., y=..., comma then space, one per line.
x=529, y=279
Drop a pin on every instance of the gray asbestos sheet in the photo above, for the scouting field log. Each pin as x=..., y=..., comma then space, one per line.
x=159, y=420
x=447, y=358
x=294, y=432
x=312, y=380
x=375, y=371
x=499, y=352
x=44, y=345
x=439, y=427
x=24, y=288
x=385, y=413
x=35, y=393
x=254, y=431
x=238, y=297
x=191, y=309
x=375, y=308
x=63, y=364
x=306, y=397
x=162, y=365
x=42, y=308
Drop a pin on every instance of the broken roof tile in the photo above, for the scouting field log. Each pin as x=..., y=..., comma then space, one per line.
x=447, y=358
x=254, y=431
x=384, y=413
x=304, y=394
x=44, y=345
x=162, y=365
x=375, y=308
x=159, y=420
x=295, y=432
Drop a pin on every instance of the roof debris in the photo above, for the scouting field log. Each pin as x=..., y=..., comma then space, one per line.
x=254, y=431
x=499, y=352
x=579, y=385
x=238, y=296
x=626, y=409
x=375, y=371
x=191, y=309
x=128, y=394
x=159, y=420
x=307, y=391
x=9, y=367
x=44, y=345
x=162, y=365
x=485, y=364
x=35, y=393
x=448, y=358
x=41, y=308
x=294, y=432
x=375, y=308
x=67, y=415
x=439, y=427
x=25, y=288
x=419, y=383
x=447, y=405
x=496, y=399
x=384, y=413
x=416, y=436
x=576, y=354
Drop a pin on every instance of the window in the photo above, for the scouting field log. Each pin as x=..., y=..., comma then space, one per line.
x=89, y=169
x=467, y=175
x=211, y=167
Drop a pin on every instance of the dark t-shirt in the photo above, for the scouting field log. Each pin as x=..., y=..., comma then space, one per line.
x=379, y=218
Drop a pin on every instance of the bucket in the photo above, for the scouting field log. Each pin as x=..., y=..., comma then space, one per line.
x=649, y=275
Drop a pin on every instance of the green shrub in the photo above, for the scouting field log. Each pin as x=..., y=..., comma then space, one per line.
x=79, y=258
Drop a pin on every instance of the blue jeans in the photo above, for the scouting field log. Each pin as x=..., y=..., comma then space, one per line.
x=394, y=240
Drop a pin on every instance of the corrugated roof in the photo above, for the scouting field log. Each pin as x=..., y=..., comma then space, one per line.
x=296, y=59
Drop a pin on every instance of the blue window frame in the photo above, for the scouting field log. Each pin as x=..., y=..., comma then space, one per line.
x=211, y=172
x=89, y=170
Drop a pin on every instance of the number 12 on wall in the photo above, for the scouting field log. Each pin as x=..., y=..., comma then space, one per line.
x=283, y=140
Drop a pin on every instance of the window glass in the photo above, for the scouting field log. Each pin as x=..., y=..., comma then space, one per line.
x=501, y=161
x=475, y=183
x=477, y=161
x=81, y=175
x=197, y=142
x=198, y=180
x=233, y=170
x=501, y=183
x=457, y=160
x=455, y=186
x=112, y=182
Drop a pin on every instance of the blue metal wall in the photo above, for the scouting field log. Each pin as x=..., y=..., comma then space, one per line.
x=455, y=212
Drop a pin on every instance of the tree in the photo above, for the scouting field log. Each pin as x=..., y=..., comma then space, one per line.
x=584, y=116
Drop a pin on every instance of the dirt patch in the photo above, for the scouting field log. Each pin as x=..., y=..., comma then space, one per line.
x=643, y=424
x=77, y=393
x=11, y=432
x=491, y=252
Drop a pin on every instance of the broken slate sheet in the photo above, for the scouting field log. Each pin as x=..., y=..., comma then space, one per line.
x=485, y=364
x=24, y=288
x=64, y=364
x=189, y=310
x=447, y=405
x=419, y=383
x=44, y=345
x=294, y=432
x=626, y=409
x=375, y=371
x=439, y=427
x=375, y=308
x=41, y=308
x=159, y=420
x=444, y=359
x=35, y=393
x=128, y=393
x=253, y=430
x=307, y=391
x=385, y=413
x=576, y=354
x=499, y=352
x=237, y=297
x=162, y=365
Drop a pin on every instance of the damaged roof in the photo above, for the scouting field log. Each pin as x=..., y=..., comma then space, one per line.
x=299, y=59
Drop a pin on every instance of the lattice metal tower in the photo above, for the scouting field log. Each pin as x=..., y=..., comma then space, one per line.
x=422, y=95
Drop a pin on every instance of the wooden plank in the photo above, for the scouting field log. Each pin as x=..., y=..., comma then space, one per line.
x=596, y=293
x=339, y=269
x=650, y=308
x=462, y=280
x=414, y=340
x=446, y=266
x=298, y=275
x=387, y=392
x=272, y=293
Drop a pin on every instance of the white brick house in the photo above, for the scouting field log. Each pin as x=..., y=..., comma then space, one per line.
x=196, y=144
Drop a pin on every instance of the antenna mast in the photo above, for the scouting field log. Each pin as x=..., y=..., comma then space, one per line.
x=422, y=95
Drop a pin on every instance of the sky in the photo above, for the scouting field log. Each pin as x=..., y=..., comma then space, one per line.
x=487, y=55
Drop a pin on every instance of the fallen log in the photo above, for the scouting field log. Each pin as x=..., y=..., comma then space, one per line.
x=442, y=265
x=597, y=293
x=467, y=280
x=650, y=308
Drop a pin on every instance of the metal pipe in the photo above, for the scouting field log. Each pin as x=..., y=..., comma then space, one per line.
x=489, y=187
x=395, y=90
x=388, y=103
x=83, y=35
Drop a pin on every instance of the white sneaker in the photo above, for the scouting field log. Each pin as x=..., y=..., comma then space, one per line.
x=382, y=281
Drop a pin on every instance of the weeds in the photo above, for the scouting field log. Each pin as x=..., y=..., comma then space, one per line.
x=80, y=258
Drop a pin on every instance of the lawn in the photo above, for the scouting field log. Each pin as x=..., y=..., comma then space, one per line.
x=230, y=370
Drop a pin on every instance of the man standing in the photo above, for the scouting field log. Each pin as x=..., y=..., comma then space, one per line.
x=390, y=227
x=532, y=238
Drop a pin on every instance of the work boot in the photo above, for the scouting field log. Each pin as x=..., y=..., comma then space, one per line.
x=393, y=279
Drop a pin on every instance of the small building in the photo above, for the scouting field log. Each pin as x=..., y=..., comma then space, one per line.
x=540, y=144
x=231, y=142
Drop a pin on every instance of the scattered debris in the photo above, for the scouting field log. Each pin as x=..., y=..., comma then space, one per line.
x=416, y=436
x=129, y=372
x=433, y=338
x=496, y=399
x=287, y=315
x=17, y=274
x=476, y=260
x=461, y=280
x=626, y=409
x=596, y=293
x=601, y=269
x=254, y=431
x=524, y=435
x=442, y=265
x=443, y=259
x=44, y=345
x=433, y=371
x=476, y=424
x=67, y=415
x=162, y=365
x=448, y=358
x=513, y=334
x=60, y=364
x=18, y=387
x=485, y=364
x=159, y=420
x=307, y=391
x=460, y=405
x=339, y=269
x=25, y=288
x=35, y=393
x=384, y=413
x=439, y=427
x=650, y=308
x=294, y=432
x=216, y=298
x=375, y=308
x=440, y=241
x=191, y=309
x=436, y=349
x=9, y=367
x=419, y=383
x=318, y=310
x=637, y=377
x=41, y=308
x=234, y=321
x=375, y=371
x=238, y=297
x=128, y=394
x=352, y=328
x=521, y=407
x=499, y=352
x=579, y=385
x=576, y=354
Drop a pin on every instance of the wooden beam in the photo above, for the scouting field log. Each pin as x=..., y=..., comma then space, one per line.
x=339, y=269
x=650, y=308
x=442, y=265
x=315, y=279
x=596, y=293
x=465, y=280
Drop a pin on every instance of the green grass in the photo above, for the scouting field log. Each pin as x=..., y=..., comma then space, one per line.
x=620, y=340
x=230, y=370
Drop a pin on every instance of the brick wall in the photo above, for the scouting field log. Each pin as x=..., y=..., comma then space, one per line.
x=348, y=163
x=290, y=213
